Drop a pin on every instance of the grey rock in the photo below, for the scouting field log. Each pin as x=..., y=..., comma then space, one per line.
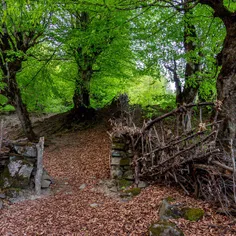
x=116, y=172
x=164, y=228
x=118, y=154
x=27, y=151
x=115, y=161
x=83, y=186
x=45, y=183
x=1, y=204
x=163, y=209
x=25, y=171
x=46, y=176
x=17, y=174
x=2, y=195
x=168, y=211
x=129, y=175
x=114, y=189
x=6, y=183
x=127, y=167
x=94, y=205
x=111, y=183
x=142, y=184
x=14, y=167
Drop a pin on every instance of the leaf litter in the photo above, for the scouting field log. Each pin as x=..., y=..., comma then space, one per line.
x=82, y=158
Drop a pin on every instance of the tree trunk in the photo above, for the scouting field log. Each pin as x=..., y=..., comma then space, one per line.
x=226, y=81
x=81, y=96
x=192, y=67
x=226, y=86
x=15, y=99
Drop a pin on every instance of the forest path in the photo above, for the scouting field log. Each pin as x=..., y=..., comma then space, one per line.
x=82, y=157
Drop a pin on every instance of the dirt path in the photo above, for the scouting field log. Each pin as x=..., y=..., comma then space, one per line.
x=83, y=158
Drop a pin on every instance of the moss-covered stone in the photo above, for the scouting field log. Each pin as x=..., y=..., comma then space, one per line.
x=12, y=192
x=170, y=199
x=168, y=211
x=16, y=174
x=133, y=191
x=129, y=175
x=164, y=228
x=123, y=183
x=116, y=139
x=193, y=214
x=118, y=146
x=125, y=162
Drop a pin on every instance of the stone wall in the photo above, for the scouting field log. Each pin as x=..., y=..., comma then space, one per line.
x=18, y=167
x=121, y=159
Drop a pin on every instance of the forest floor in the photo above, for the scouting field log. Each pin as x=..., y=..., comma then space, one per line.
x=81, y=158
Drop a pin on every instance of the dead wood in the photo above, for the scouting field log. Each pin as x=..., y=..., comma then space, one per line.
x=190, y=158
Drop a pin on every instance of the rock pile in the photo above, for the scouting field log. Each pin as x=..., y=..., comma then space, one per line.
x=173, y=211
x=18, y=167
x=121, y=159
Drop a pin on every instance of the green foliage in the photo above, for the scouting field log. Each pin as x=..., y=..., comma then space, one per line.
x=54, y=83
x=148, y=91
x=230, y=4
x=161, y=42
x=127, y=49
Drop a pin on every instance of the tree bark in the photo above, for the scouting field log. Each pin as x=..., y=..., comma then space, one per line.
x=226, y=86
x=81, y=94
x=15, y=99
x=15, y=41
x=192, y=67
x=226, y=81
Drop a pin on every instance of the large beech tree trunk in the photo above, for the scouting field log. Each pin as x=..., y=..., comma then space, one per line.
x=226, y=81
x=12, y=92
x=15, y=100
x=81, y=96
x=192, y=66
x=226, y=85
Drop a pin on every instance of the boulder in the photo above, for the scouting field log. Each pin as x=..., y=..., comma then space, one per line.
x=2, y=195
x=45, y=183
x=46, y=180
x=116, y=172
x=193, y=214
x=46, y=176
x=142, y=184
x=129, y=175
x=168, y=211
x=16, y=174
x=164, y=228
x=26, y=151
